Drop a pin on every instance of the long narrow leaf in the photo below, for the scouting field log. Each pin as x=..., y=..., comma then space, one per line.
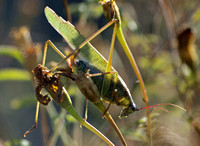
x=11, y=51
x=74, y=39
x=14, y=74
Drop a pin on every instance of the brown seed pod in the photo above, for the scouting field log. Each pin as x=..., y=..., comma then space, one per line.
x=186, y=47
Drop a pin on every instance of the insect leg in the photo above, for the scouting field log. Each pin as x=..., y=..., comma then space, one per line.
x=114, y=96
x=38, y=91
x=77, y=50
x=106, y=109
x=86, y=106
x=49, y=43
x=44, y=99
x=60, y=91
x=114, y=93
x=36, y=120
x=107, y=78
x=86, y=111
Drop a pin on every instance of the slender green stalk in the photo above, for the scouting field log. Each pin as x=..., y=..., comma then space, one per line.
x=102, y=108
x=122, y=41
x=111, y=12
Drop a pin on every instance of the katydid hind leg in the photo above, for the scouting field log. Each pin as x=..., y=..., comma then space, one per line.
x=107, y=78
x=77, y=50
x=49, y=43
x=106, y=110
x=86, y=111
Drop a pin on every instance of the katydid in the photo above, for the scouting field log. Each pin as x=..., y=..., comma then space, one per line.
x=121, y=96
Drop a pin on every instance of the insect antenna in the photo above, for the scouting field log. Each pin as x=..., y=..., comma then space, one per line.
x=160, y=104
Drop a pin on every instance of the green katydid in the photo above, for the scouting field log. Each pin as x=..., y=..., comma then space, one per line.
x=77, y=42
x=85, y=49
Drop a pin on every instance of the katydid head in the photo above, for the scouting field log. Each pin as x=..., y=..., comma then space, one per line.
x=131, y=109
x=127, y=111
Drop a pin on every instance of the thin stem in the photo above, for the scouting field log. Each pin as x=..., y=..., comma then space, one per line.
x=106, y=114
x=128, y=53
x=67, y=10
x=122, y=41
x=111, y=11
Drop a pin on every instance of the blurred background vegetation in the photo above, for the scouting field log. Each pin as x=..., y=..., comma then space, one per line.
x=164, y=39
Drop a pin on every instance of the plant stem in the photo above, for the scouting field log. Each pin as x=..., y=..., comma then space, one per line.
x=102, y=108
x=111, y=8
x=122, y=41
x=66, y=104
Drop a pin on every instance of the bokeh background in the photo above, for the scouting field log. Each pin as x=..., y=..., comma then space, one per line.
x=164, y=38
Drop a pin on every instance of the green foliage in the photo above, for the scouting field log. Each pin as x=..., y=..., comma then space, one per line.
x=13, y=74
x=70, y=118
x=148, y=36
x=11, y=51
x=18, y=142
x=19, y=103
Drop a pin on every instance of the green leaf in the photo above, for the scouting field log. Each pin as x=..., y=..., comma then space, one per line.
x=18, y=103
x=11, y=51
x=74, y=39
x=14, y=74
x=18, y=142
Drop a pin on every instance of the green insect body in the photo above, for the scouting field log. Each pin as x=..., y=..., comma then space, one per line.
x=91, y=87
